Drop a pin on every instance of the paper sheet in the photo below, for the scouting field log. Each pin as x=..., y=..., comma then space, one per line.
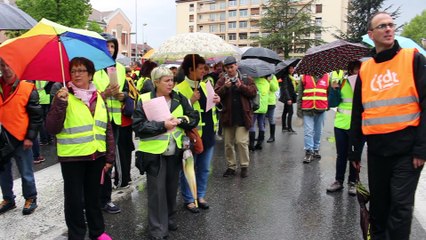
x=210, y=94
x=157, y=109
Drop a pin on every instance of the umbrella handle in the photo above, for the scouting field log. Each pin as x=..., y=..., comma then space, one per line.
x=62, y=63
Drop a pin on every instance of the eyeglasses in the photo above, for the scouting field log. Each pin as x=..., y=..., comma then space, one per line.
x=79, y=71
x=384, y=26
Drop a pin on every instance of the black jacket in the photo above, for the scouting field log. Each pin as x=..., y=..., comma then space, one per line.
x=287, y=90
x=411, y=140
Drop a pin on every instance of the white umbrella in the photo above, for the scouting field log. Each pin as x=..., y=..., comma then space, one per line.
x=206, y=45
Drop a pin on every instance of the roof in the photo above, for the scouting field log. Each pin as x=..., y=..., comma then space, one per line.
x=105, y=17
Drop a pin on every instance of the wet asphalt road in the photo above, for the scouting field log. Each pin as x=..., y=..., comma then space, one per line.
x=281, y=199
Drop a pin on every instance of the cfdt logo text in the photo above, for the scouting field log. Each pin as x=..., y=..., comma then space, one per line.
x=382, y=82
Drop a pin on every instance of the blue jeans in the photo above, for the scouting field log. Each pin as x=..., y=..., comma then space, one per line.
x=24, y=162
x=312, y=126
x=202, y=170
x=260, y=117
x=270, y=114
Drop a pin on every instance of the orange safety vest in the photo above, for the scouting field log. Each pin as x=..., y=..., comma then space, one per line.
x=389, y=94
x=13, y=112
x=315, y=94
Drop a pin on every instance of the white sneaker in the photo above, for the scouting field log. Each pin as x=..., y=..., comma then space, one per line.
x=352, y=189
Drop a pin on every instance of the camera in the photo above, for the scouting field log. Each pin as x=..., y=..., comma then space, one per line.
x=233, y=80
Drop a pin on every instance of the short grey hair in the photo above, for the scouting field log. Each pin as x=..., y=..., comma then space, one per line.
x=159, y=72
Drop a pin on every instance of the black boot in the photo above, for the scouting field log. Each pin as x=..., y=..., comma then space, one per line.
x=284, y=125
x=260, y=139
x=290, y=129
x=272, y=133
x=252, y=135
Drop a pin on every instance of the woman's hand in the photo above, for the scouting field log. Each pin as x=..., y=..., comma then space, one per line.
x=112, y=90
x=108, y=166
x=195, y=96
x=119, y=96
x=62, y=94
x=216, y=98
x=171, y=123
x=289, y=102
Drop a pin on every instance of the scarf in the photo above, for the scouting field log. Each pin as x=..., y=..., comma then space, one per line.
x=84, y=95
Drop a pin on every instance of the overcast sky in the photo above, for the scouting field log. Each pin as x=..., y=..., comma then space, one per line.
x=160, y=15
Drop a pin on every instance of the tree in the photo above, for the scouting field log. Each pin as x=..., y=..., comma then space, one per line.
x=288, y=26
x=94, y=26
x=359, y=11
x=416, y=28
x=70, y=13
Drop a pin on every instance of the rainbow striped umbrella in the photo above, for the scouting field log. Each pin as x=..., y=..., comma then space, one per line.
x=44, y=52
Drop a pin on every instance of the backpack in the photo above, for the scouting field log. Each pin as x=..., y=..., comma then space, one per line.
x=254, y=101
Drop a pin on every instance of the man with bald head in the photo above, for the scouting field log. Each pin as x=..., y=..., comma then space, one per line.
x=389, y=109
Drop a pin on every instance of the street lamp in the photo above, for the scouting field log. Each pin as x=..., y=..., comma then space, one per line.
x=143, y=40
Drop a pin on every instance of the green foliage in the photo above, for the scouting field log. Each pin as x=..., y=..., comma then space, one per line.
x=359, y=11
x=94, y=26
x=416, y=28
x=289, y=27
x=70, y=13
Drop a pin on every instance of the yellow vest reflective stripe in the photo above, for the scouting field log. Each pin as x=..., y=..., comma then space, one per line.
x=140, y=82
x=101, y=81
x=185, y=89
x=43, y=96
x=158, y=144
x=83, y=134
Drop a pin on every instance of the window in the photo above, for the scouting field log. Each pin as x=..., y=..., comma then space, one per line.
x=212, y=6
x=232, y=13
x=212, y=17
x=255, y=11
x=191, y=7
x=318, y=8
x=242, y=36
x=244, y=2
x=318, y=21
x=222, y=36
x=222, y=27
x=243, y=12
x=232, y=25
x=318, y=35
x=254, y=24
x=223, y=5
x=124, y=38
x=232, y=36
x=232, y=3
x=191, y=18
x=254, y=34
x=200, y=28
x=243, y=24
x=191, y=28
x=222, y=16
x=213, y=28
x=255, y=1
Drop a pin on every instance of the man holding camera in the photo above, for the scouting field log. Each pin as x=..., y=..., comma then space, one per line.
x=236, y=116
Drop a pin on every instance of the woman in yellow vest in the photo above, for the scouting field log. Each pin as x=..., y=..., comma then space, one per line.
x=85, y=146
x=195, y=90
x=160, y=150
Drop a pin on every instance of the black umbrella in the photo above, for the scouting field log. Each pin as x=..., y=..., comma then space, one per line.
x=256, y=67
x=13, y=18
x=282, y=67
x=262, y=53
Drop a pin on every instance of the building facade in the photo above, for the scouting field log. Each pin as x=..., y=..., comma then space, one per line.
x=116, y=23
x=237, y=20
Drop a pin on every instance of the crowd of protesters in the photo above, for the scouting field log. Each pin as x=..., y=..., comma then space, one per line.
x=93, y=118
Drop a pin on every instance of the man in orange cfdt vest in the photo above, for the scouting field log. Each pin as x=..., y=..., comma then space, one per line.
x=311, y=106
x=388, y=108
x=20, y=118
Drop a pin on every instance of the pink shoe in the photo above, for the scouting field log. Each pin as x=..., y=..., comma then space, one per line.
x=104, y=236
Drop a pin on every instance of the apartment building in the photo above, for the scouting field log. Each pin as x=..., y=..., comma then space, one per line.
x=237, y=20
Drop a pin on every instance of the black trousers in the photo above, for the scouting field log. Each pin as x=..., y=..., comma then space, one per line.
x=393, y=182
x=81, y=189
x=124, y=157
x=162, y=191
x=287, y=115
